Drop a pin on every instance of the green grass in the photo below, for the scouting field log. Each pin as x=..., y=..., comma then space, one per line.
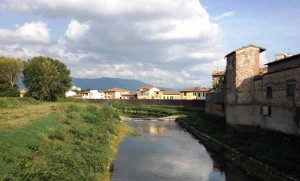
x=9, y=102
x=150, y=110
x=75, y=141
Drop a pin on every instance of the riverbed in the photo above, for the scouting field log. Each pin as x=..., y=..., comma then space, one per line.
x=163, y=151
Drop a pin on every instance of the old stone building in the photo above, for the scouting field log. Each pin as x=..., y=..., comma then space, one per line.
x=268, y=98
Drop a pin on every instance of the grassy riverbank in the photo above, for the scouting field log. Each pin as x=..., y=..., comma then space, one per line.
x=57, y=141
x=277, y=150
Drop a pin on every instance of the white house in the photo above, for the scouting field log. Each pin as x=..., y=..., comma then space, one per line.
x=70, y=93
x=92, y=94
x=149, y=92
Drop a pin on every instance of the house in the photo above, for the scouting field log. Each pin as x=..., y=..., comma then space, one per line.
x=115, y=93
x=267, y=98
x=164, y=94
x=92, y=94
x=70, y=93
x=148, y=92
x=77, y=96
x=216, y=76
x=194, y=93
x=23, y=92
x=130, y=95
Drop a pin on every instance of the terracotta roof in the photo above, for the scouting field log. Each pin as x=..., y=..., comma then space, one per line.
x=77, y=95
x=116, y=89
x=130, y=94
x=197, y=89
x=86, y=92
x=218, y=73
x=261, y=49
x=170, y=93
x=283, y=60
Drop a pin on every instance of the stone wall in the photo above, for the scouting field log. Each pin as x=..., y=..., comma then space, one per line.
x=215, y=104
x=246, y=100
x=196, y=104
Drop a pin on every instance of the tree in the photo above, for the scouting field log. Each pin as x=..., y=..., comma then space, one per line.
x=46, y=79
x=10, y=70
x=6, y=90
x=219, y=86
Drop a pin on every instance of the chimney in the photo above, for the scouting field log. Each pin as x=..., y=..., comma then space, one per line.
x=280, y=57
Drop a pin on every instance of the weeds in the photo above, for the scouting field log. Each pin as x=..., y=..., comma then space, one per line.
x=76, y=143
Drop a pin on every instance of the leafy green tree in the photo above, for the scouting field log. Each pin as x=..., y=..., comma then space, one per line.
x=46, y=79
x=219, y=86
x=6, y=90
x=10, y=70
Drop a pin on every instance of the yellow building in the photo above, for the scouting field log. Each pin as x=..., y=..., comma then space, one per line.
x=194, y=93
x=115, y=93
x=167, y=95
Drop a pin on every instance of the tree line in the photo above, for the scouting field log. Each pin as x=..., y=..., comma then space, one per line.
x=45, y=78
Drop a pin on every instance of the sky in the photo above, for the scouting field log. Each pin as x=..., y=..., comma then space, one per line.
x=167, y=43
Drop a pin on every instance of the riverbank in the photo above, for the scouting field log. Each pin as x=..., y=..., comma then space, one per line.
x=57, y=141
x=279, y=153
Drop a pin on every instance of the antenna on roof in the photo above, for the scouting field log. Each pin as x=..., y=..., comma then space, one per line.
x=284, y=52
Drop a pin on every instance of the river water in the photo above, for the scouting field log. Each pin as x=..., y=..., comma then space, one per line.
x=165, y=152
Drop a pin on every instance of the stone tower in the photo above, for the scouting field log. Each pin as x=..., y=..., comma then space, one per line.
x=242, y=67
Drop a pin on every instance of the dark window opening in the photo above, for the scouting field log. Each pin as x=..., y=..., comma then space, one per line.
x=269, y=91
x=291, y=88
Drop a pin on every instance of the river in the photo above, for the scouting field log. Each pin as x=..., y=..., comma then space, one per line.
x=163, y=151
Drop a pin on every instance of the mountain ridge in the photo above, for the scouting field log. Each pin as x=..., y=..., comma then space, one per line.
x=107, y=83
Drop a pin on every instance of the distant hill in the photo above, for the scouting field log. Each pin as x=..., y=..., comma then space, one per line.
x=107, y=83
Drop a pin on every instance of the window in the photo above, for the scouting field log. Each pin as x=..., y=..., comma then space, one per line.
x=290, y=88
x=269, y=91
x=194, y=93
x=199, y=94
x=184, y=94
x=171, y=97
x=203, y=94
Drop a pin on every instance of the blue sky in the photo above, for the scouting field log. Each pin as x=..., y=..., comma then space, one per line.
x=270, y=24
x=169, y=43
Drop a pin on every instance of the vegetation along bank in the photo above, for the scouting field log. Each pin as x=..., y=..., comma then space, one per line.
x=57, y=141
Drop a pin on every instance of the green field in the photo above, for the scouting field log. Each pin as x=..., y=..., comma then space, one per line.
x=57, y=141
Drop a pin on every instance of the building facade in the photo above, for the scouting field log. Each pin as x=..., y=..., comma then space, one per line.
x=92, y=94
x=265, y=97
x=115, y=93
x=167, y=95
x=147, y=92
x=194, y=93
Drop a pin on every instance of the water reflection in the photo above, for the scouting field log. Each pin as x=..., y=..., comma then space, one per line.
x=163, y=151
x=152, y=128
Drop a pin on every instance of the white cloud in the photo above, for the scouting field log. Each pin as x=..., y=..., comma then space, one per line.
x=34, y=32
x=172, y=43
x=224, y=15
x=76, y=30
